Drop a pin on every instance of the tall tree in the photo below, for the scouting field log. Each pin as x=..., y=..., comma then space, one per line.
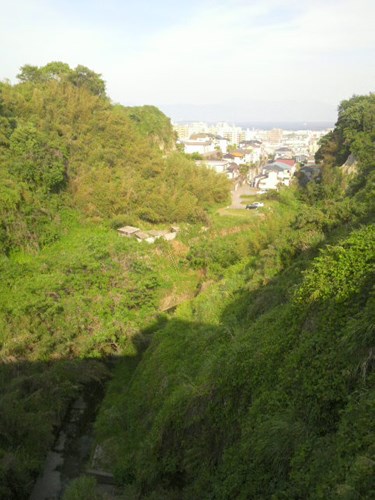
x=85, y=77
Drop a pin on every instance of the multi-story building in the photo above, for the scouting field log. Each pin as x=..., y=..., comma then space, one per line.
x=275, y=136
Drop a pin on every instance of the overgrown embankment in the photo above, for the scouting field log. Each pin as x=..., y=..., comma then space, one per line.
x=259, y=387
x=263, y=386
x=73, y=167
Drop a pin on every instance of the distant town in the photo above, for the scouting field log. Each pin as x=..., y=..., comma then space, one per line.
x=263, y=158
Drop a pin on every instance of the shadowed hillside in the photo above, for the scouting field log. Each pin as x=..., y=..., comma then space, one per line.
x=259, y=383
x=263, y=387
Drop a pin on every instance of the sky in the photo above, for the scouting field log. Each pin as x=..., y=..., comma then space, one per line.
x=210, y=60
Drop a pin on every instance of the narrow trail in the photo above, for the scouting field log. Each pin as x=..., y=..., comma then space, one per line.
x=70, y=455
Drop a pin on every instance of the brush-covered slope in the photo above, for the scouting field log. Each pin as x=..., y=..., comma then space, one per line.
x=62, y=143
x=73, y=167
x=263, y=386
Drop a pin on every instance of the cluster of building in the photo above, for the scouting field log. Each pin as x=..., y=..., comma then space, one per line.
x=221, y=134
x=231, y=133
x=226, y=148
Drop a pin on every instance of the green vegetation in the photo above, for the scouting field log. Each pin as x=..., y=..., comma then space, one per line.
x=260, y=385
x=62, y=144
x=82, y=488
x=263, y=386
x=73, y=167
x=153, y=124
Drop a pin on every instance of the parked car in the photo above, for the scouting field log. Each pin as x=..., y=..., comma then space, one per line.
x=257, y=204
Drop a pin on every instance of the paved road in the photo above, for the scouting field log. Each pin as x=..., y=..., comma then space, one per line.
x=245, y=189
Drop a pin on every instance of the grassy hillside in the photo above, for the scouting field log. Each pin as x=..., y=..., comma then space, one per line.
x=73, y=294
x=260, y=385
x=62, y=143
x=263, y=386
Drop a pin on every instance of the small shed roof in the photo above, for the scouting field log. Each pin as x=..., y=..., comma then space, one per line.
x=128, y=229
x=141, y=235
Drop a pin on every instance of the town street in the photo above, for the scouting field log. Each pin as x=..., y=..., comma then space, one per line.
x=243, y=190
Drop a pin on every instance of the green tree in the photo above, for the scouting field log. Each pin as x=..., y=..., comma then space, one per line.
x=56, y=70
x=82, y=76
x=29, y=73
x=36, y=160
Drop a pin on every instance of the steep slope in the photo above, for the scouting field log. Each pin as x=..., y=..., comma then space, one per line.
x=63, y=144
x=73, y=167
x=263, y=387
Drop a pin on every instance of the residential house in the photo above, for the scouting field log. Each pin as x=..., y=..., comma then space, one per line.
x=220, y=166
x=201, y=147
x=228, y=157
x=283, y=152
x=267, y=181
x=254, y=150
x=272, y=176
x=253, y=143
x=288, y=162
x=239, y=157
x=233, y=171
x=219, y=143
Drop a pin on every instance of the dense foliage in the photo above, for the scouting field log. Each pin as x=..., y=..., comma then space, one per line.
x=73, y=167
x=259, y=387
x=63, y=143
x=263, y=386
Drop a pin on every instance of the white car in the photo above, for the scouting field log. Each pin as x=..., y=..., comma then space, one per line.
x=257, y=204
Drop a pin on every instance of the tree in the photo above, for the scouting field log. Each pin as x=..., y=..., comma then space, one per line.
x=35, y=159
x=82, y=76
x=29, y=73
x=56, y=70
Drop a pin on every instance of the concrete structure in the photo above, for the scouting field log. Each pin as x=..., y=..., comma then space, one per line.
x=128, y=231
x=148, y=236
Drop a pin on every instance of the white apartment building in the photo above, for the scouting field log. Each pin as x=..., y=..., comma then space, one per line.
x=201, y=147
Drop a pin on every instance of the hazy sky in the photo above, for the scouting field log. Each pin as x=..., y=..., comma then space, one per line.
x=209, y=59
